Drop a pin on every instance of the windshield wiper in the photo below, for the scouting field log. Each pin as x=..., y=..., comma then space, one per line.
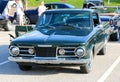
x=49, y=26
x=67, y=26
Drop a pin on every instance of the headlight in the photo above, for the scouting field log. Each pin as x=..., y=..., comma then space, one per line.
x=79, y=52
x=14, y=50
x=31, y=51
x=61, y=51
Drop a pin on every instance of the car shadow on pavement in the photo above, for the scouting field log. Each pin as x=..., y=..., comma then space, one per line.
x=1, y=29
x=4, y=53
x=12, y=68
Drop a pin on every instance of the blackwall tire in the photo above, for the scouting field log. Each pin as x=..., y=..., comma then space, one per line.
x=115, y=36
x=86, y=68
x=25, y=67
x=102, y=51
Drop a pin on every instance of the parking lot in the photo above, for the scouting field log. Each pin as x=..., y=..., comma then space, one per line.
x=106, y=68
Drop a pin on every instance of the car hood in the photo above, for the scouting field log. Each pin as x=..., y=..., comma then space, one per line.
x=2, y=5
x=36, y=37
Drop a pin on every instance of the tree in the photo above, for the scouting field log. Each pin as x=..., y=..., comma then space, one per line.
x=25, y=2
x=64, y=0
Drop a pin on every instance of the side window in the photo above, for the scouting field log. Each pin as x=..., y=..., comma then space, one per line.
x=61, y=6
x=55, y=7
x=52, y=6
x=44, y=19
x=95, y=19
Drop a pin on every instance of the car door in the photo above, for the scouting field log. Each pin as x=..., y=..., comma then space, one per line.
x=100, y=34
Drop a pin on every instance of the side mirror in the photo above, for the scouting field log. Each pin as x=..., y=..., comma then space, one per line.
x=11, y=37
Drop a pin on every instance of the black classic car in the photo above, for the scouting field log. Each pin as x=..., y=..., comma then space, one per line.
x=62, y=37
x=31, y=16
x=5, y=22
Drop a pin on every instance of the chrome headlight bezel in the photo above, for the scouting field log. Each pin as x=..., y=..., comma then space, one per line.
x=79, y=52
x=14, y=50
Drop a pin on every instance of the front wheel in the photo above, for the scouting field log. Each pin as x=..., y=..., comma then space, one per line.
x=25, y=67
x=87, y=67
x=8, y=26
x=102, y=51
x=115, y=36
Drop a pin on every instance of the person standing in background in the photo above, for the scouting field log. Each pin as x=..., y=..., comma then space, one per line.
x=41, y=8
x=19, y=12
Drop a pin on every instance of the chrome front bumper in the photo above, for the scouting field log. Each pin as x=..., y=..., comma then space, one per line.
x=39, y=60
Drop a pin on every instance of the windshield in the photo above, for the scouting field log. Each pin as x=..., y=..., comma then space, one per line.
x=65, y=23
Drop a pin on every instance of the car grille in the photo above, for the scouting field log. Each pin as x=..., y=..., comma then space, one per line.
x=24, y=51
x=45, y=51
x=69, y=52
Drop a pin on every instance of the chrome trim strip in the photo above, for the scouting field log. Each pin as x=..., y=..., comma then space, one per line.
x=27, y=55
x=26, y=46
x=48, y=61
x=67, y=47
x=44, y=45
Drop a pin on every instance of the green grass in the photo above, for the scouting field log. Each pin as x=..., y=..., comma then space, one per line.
x=76, y=3
x=112, y=3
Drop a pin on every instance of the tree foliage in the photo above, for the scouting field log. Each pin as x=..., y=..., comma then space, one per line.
x=25, y=2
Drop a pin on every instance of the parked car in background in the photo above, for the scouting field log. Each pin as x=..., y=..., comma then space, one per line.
x=5, y=22
x=92, y=3
x=31, y=16
x=88, y=5
x=62, y=37
x=108, y=14
x=96, y=2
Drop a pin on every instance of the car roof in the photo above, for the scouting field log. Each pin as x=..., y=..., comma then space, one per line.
x=3, y=4
x=60, y=3
x=56, y=3
x=69, y=10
